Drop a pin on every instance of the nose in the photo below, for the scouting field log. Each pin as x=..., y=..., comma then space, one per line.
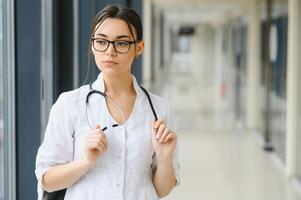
x=111, y=50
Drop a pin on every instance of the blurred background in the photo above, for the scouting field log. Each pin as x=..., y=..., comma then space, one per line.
x=229, y=68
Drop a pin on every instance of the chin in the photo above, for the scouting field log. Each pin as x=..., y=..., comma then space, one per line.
x=112, y=72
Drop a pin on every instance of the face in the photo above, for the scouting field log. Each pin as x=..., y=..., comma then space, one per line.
x=112, y=62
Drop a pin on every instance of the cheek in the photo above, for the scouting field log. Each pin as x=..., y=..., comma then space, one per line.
x=127, y=58
x=131, y=56
x=125, y=62
x=130, y=59
x=98, y=59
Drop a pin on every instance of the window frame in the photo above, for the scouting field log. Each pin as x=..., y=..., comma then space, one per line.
x=9, y=91
x=47, y=63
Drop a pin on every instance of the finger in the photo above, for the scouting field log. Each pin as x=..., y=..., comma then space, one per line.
x=158, y=123
x=164, y=134
x=97, y=126
x=94, y=146
x=105, y=142
x=97, y=138
x=97, y=145
x=95, y=131
x=160, y=131
x=170, y=137
x=100, y=130
x=153, y=124
x=100, y=146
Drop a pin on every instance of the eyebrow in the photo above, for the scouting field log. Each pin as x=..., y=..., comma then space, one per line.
x=118, y=37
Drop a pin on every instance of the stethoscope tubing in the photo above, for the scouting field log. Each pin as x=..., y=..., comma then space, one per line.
x=92, y=91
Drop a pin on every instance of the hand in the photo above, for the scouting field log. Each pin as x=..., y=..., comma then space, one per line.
x=164, y=141
x=96, y=144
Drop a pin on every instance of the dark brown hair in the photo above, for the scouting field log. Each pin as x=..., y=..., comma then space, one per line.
x=130, y=16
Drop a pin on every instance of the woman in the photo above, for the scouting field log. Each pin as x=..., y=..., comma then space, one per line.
x=109, y=146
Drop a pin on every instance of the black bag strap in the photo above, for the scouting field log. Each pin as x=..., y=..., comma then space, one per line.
x=56, y=195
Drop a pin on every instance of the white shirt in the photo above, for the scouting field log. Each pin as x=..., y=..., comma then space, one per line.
x=125, y=170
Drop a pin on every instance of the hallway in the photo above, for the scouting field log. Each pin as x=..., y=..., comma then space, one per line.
x=218, y=159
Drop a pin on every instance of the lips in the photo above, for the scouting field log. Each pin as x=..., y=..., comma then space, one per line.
x=110, y=62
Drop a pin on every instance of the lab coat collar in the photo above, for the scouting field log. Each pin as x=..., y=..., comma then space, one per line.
x=99, y=84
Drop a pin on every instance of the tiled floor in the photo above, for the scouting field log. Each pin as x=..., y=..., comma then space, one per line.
x=218, y=160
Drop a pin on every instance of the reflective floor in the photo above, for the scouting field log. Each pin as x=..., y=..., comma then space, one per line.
x=219, y=160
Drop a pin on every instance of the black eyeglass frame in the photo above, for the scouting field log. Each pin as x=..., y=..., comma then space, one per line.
x=113, y=43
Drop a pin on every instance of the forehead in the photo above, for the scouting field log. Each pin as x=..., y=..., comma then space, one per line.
x=113, y=27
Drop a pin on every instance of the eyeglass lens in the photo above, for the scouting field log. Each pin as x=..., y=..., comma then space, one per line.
x=120, y=46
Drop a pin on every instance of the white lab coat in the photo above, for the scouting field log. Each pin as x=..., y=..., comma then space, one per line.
x=125, y=170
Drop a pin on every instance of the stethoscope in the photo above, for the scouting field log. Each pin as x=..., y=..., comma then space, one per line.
x=92, y=91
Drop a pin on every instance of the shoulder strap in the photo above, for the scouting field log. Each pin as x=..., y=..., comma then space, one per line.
x=150, y=102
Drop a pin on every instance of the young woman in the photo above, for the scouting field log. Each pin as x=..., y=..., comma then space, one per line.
x=103, y=140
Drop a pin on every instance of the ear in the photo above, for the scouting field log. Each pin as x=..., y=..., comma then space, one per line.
x=139, y=49
x=92, y=50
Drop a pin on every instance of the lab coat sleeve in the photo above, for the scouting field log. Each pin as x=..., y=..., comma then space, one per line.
x=57, y=146
x=169, y=122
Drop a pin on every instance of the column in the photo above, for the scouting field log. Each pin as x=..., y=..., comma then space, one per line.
x=147, y=54
x=253, y=66
x=292, y=87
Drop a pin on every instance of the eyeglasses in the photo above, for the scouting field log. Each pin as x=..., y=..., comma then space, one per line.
x=120, y=46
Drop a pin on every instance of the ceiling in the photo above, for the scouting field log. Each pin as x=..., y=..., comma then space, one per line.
x=204, y=11
x=179, y=2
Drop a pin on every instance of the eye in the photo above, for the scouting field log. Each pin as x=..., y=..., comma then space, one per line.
x=101, y=42
x=121, y=43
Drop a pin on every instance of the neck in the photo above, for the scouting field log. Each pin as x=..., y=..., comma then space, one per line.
x=115, y=85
